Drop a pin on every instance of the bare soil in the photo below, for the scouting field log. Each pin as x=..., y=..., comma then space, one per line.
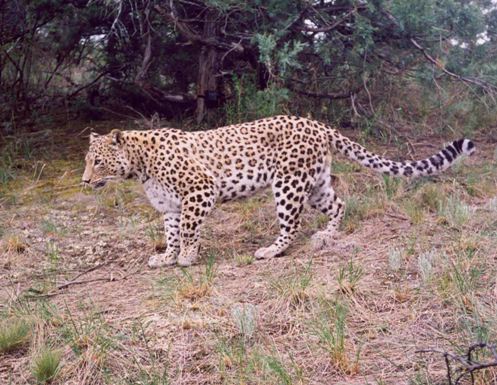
x=409, y=275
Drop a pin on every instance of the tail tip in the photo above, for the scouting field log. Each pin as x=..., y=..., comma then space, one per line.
x=468, y=147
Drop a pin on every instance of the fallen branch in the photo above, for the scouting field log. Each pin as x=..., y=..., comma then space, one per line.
x=465, y=363
x=73, y=280
x=71, y=283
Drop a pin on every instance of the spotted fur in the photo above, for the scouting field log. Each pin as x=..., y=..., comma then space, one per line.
x=184, y=174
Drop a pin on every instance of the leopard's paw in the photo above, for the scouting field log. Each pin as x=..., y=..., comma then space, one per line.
x=188, y=256
x=267, y=252
x=160, y=260
x=322, y=240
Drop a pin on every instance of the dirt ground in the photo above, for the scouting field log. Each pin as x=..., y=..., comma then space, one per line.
x=414, y=267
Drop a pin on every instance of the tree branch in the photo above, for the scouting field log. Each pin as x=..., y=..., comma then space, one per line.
x=84, y=86
x=147, y=54
x=186, y=31
x=486, y=86
x=326, y=95
x=331, y=26
x=480, y=83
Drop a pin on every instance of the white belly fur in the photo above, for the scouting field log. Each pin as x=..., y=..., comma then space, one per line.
x=160, y=198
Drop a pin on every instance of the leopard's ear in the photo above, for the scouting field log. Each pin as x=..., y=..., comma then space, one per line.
x=116, y=137
x=93, y=136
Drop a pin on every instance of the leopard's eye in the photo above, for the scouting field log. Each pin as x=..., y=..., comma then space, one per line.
x=97, y=161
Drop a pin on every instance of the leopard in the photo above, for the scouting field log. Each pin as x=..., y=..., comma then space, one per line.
x=184, y=174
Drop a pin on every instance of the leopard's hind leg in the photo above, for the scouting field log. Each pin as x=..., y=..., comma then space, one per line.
x=324, y=199
x=290, y=194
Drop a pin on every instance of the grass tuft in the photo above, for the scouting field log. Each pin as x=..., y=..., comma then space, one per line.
x=359, y=209
x=454, y=212
x=15, y=244
x=426, y=264
x=349, y=276
x=431, y=196
x=278, y=369
x=395, y=260
x=156, y=238
x=245, y=318
x=414, y=211
x=331, y=329
x=46, y=365
x=293, y=287
x=244, y=259
x=391, y=186
x=14, y=335
x=194, y=288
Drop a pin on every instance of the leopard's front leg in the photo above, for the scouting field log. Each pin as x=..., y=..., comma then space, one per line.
x=194, y=208
x=171, y=230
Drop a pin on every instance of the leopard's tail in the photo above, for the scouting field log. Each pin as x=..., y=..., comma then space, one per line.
x=429, y=166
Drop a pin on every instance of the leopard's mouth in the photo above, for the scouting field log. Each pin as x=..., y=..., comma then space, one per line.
x=99, y=184
x=96, y=184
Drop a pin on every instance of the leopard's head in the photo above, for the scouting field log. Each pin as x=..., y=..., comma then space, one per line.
x=106, y=159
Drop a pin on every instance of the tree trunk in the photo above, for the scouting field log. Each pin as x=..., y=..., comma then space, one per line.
x=206, y=66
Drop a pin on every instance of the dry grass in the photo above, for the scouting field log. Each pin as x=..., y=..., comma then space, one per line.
x=413, y=267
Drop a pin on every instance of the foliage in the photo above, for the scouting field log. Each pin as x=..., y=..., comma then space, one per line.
x=152, y=56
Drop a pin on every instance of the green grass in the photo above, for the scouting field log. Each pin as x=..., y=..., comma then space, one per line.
x=156, y=236
x=88, y=335
x=293, y=287
x=331, y=328
x=147, y=377
x=349, y=276
x=454, y=212
x=338, y=167
x=391, y=186
x=414, y=211
x=358, y=209
x=240, y=362
x=53, y=254
x=51, y=228
x=46, y=365
x=275, y=366
x=431, y=196
x=244, y=259
x=14, y=334
x=12, y=152
x=355, y=212
x=7, y=169
x=153, y=373
x=194, y=287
